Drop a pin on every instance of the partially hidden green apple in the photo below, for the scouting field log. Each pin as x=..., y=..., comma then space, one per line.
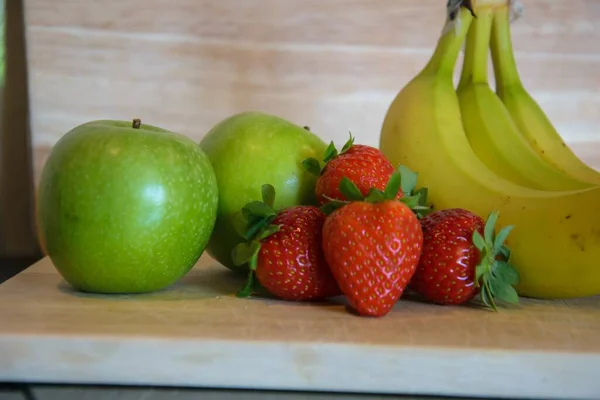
x=248, y=150
x=125, y=207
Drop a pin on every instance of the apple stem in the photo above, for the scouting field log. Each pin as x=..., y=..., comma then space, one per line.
x=136, y=123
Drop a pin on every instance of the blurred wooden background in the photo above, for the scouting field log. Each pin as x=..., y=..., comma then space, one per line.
x=334, y=65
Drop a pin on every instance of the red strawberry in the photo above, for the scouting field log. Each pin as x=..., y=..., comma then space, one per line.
x=463, y=258
x=284, y=251
x=372, y=247
x=367, y=167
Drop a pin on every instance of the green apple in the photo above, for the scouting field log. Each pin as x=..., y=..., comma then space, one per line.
x=125, y=207
x=248, y=150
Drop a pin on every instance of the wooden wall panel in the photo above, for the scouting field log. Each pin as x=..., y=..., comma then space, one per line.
x=334, y=65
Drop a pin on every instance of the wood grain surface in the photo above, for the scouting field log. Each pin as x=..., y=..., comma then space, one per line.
x=198, y=333
x=334, y=65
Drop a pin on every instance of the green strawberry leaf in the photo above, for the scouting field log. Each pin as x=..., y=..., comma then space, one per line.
x=248, y=288
x=509, y=295
x=422, y=193
x=504, y=291
x=393, y=186
x=480, y=271
x=255, y=229
x=348, y=144
x=251, y=218
x=505, y=252
x=268, y=194
x=375, y=196
x=312, y=166
x=409, y=180
x=259, y=209
x=243, y=252
x=416, y=200
x=412, y=202
x=478, y=241
x=268, y=231
x=330, y=152
x=495, y=276
x=332, y=205
x=240, y=224
x=488, y=230
x=423, y=209
x=506, y=272
x=247, y=214
x=328, y=208
x=416, y=204
x=252, y=284
x=253, y=221
x=349, y=190
x=487, y=297
x=501, y=237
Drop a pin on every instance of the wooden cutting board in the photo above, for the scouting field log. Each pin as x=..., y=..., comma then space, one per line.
x=197, y=333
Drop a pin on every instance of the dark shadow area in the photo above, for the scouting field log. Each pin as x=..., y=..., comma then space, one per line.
x=76, y=392
x=18, y=243
x=11, y=266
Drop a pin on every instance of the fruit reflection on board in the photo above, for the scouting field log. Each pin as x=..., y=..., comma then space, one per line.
x=471, y=197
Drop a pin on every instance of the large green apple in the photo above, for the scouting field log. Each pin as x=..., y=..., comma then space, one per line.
x=125, y=207
x=248, y=150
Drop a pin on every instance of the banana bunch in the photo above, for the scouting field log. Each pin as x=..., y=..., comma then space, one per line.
x=483, y=150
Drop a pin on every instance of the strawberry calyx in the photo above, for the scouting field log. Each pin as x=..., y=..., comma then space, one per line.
x=495, y=276
x=254, y=223
x=313, y=166
x=415, y=199
x=402, y=179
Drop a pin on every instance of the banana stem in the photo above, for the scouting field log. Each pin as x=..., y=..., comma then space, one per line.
x=475, y=63
x=503, y=58
x=443, y=60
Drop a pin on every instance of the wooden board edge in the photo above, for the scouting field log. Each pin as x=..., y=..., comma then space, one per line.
x=293, y=366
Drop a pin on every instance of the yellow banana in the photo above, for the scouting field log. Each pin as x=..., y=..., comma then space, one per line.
x=527, y=114
x=489, y=127
x=556, y=239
